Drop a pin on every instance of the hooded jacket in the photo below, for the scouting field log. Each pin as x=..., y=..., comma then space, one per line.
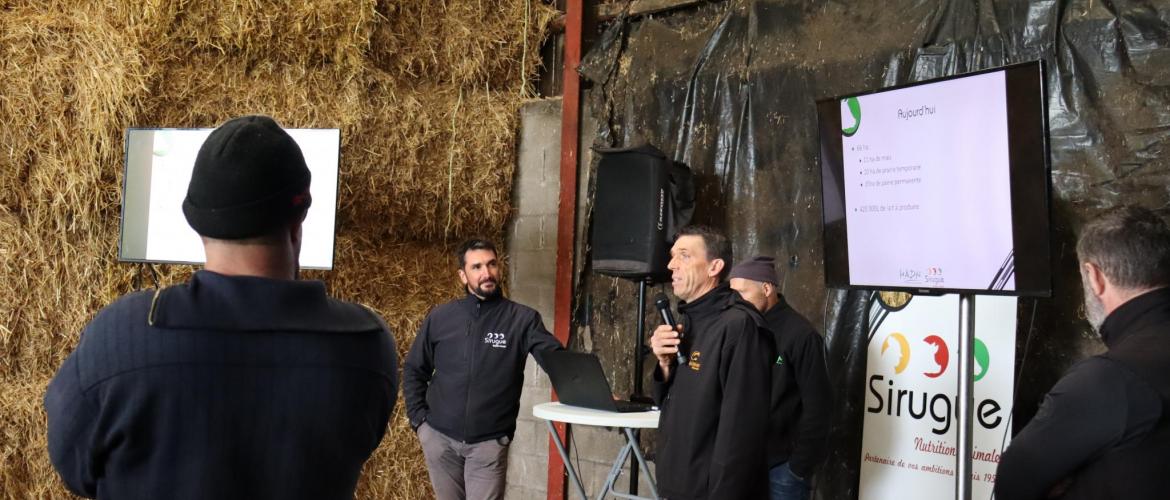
x=714, y=423
x=1103, y=431
x=465, y=371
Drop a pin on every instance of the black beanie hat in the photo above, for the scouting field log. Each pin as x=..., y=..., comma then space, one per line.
x=759, y=268
x=249, y=178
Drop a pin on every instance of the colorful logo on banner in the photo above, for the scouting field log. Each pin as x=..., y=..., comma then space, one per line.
x=942, y=355
x=919, y=405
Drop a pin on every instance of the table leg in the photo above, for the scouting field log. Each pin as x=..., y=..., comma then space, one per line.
x=614, y=472
x=631, y=445
x=642, y=462
x=552, y=430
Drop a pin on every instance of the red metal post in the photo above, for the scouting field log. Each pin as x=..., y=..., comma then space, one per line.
x=566, y=216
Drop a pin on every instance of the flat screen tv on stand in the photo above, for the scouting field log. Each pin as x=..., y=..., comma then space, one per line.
x=941, y=186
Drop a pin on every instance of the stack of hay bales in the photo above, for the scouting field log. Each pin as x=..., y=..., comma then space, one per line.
x=425, y=94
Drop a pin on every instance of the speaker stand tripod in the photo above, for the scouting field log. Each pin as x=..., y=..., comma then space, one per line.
x=639, y=358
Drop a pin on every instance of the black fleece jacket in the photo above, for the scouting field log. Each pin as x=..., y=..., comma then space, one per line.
x=1103, y=431
x=465, y=370
x=801, y=395
x=715, y=408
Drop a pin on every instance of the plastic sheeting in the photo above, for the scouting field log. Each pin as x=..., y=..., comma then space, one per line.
x=729, y=89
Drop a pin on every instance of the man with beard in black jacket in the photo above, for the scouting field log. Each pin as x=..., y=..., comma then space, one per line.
x=1103, y=431
x=801, y=395
x=463, y=376
x=715, y=405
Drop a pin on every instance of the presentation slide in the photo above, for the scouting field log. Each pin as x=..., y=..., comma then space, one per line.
x=915, y=161
x=158, y=170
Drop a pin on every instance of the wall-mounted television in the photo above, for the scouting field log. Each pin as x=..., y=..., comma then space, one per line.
x=157, y=170
x=939, y=186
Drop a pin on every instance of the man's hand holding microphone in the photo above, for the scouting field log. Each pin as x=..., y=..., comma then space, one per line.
x=667, y=339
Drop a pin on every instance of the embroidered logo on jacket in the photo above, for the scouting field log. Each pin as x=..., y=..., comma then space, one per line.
x=694, y=362
x=496, y=340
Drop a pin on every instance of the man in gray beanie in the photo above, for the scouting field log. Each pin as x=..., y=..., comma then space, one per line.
x=242, y=383
x=801, y=395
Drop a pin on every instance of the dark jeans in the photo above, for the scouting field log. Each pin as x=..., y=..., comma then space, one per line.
x=784, y=485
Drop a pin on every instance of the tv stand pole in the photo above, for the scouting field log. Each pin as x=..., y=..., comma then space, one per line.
x=966, y=399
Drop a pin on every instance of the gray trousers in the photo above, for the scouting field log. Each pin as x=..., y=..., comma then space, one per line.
x=462, y=471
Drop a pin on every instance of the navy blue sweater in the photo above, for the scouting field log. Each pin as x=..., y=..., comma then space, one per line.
x=225, y=387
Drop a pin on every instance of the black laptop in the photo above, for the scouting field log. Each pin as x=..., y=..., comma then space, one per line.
x=579, y=381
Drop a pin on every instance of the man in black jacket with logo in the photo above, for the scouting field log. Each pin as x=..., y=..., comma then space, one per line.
x=244, y=382
x=801, y=395
x=463, y=376
x=715, y=405
x=1103, y=431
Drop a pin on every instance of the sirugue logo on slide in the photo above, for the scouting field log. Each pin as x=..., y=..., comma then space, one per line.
x=899, y=403
x=854, y=107
x=497, y=340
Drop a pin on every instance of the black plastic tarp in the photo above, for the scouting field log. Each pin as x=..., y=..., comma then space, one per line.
x=729, y=89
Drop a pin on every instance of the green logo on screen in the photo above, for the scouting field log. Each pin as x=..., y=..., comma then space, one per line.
x=854, y=111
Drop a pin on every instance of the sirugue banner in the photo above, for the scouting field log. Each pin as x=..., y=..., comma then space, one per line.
x=910, y=438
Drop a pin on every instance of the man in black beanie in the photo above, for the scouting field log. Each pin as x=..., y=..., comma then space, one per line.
x=242, y=383
x=801, y=394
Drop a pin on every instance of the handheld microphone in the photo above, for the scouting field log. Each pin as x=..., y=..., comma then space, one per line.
x=663, y=305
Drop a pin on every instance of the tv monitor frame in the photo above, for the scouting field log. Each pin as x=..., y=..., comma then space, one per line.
x=324, y=195
x=1029, y=171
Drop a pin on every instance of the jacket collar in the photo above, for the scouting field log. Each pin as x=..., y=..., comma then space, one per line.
x=719, y=298
x=1138, y=313
x=471, y=300
x=777, y=309
x=212, y=301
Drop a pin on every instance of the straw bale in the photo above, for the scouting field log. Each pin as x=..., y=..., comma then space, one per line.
x=297, y=32
x=205, y=90
x=71, y=82
x=24, y=456
x=473, y=42
x=445, y=175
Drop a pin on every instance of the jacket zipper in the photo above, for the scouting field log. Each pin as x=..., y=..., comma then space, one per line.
x=470, y=371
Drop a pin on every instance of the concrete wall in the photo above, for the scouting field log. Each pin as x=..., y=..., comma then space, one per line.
x=531, y=250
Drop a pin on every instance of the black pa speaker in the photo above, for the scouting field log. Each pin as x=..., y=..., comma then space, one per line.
x=641, y=199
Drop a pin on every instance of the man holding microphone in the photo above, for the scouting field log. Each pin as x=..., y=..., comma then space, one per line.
x=715, y=403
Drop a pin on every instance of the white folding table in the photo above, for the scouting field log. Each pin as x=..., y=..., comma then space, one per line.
x=627, y=422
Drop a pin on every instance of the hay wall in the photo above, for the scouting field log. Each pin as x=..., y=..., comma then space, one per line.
x=425, y=93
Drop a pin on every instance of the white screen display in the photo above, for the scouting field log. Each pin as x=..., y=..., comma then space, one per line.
x=927, y=187
x=158, y=169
